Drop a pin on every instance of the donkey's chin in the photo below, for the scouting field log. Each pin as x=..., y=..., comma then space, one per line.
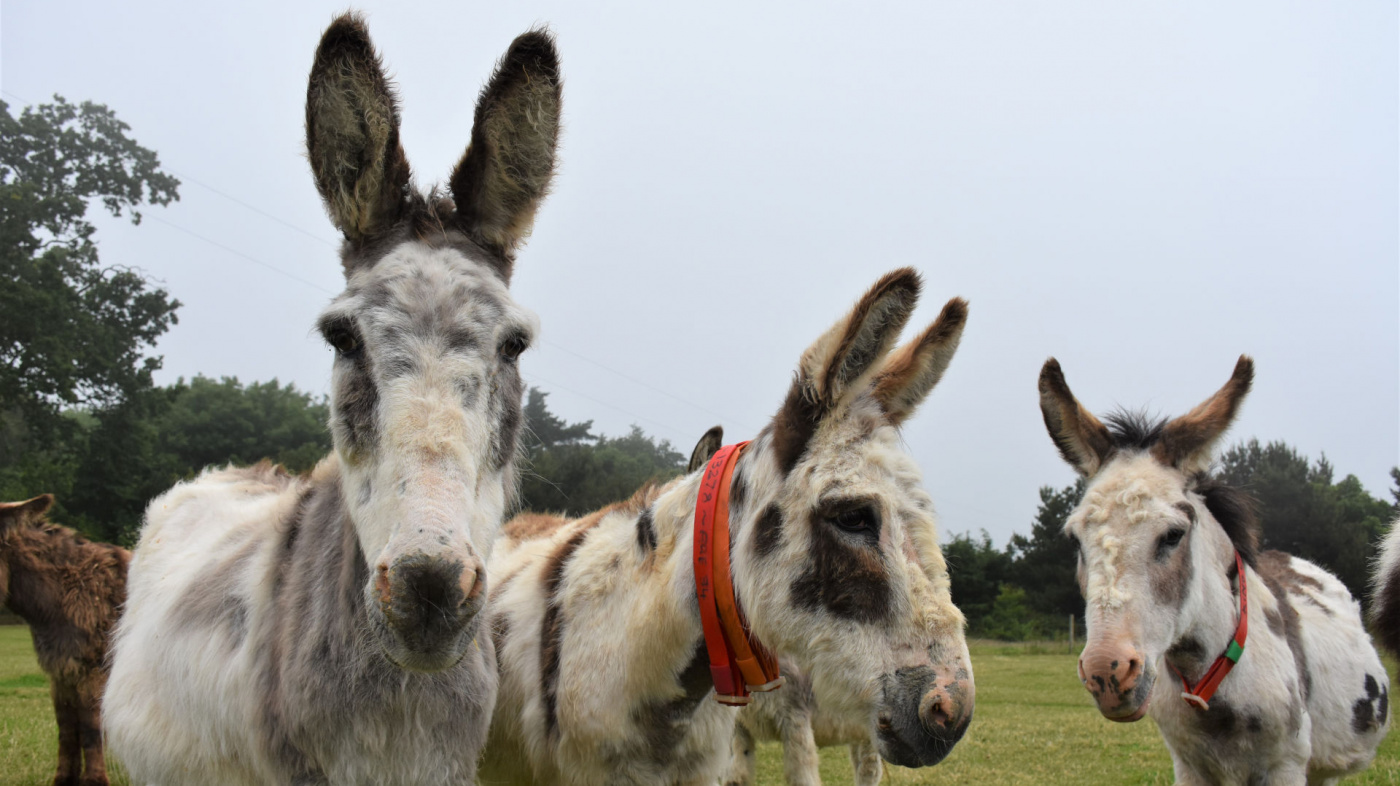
x=1135, y=704
x=423, y=650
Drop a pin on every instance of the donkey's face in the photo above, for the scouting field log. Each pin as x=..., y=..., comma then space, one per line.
x=838, y=560
x=425, y=404
x=1145, y=527
x=13, y=516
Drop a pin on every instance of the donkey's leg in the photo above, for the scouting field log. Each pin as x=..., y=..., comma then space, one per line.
x=70, y=754
x=90, y=731
x=865, y=760
x=743, y=763
x=801, y=761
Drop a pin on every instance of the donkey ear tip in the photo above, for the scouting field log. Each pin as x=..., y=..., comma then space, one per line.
x=955, y=310
x=347, y=29
x=535, y=47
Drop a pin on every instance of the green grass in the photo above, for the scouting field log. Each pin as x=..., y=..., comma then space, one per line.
x=1034, y=725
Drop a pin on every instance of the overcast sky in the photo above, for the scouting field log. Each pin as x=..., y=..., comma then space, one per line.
x=1143, y=190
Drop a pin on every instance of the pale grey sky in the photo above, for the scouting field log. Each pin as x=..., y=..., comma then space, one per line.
x=1142, y=190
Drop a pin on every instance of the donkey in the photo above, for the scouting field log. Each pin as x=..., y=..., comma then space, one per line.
x=790, y=716
x=1385, y=591
x=328, y=628
x=604, y=672
x=69, y=590
x=1158, y=539
x=793, y=718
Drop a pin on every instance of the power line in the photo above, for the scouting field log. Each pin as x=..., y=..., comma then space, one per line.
x=241, y=255
x=673, y=430
x=253, y=208
x=652, y=388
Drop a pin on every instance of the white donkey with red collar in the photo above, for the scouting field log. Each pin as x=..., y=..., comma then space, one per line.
x=606, y=677
x=1255, y=666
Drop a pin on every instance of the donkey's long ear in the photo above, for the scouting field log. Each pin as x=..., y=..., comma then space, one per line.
x=1188, y=442
x=506, y=170
x=15, y=512
x=705, y=449
x=352, y=133
x=911, y=371
x=1083, y=439
x=843, y=360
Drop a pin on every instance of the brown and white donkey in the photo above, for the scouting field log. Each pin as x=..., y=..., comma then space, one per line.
x=1160, y=542
x=604, y=674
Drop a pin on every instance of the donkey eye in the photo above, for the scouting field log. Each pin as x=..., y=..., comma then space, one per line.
x=856, y=520
x=1169, y=540
x=511, y=348
x=346, y=343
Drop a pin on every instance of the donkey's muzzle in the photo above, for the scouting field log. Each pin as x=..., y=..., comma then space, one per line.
x=1119, y=678
x=428, y=602
x=922, y=715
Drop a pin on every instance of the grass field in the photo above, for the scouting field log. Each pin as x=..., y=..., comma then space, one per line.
x=1034, y=725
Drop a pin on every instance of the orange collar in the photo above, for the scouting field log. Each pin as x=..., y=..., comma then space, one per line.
x=739, y=663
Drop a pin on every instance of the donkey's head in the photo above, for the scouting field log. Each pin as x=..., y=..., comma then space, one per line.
x=425, y=403
x=13, y=517
x=837, y=558
x=1151, y=530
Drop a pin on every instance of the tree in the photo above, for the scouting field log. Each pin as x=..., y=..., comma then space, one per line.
x=1303, y=512
x=569, y=470
x=139, y=448
x=1044, y=563
x=73, y=333
x=1395, y=488
x=977, y=570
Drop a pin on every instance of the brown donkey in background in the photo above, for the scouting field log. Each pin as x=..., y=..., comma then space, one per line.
x=70, y=591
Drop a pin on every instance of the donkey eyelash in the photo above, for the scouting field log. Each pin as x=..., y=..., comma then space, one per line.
x=513, y=345
x=1169, y=540
x=342, y=336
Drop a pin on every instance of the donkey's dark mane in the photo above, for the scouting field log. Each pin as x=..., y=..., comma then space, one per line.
x=1128, y=430
x=1234, y=509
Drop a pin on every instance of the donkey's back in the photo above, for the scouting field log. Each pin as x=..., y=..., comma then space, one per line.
x=1347, y=687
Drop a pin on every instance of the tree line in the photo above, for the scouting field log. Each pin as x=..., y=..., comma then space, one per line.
x=81, y=417
x=1027, y=589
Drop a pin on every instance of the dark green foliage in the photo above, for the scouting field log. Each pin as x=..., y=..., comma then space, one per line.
x=1045, y=561
x=72, y=331
x=1305, y=513
x=570, y=470
x=211, y=423
x=977, y=571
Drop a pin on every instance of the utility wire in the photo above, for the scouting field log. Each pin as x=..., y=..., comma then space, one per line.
x=675, y=432
x=253, y=208
x=240, y=254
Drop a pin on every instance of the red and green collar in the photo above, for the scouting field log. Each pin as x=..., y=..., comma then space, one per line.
x=1199, y=696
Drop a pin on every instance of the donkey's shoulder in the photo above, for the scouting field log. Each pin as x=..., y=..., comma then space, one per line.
x=225, y=498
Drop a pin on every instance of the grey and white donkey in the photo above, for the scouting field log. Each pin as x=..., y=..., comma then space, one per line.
x=604, y=674
x=328, y=628
x=1157, y=537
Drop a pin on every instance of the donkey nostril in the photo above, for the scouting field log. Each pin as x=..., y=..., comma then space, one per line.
x=471, y=584
x=381, y=583
x=885, y=721
x=933, y=710
x=1134, y=666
